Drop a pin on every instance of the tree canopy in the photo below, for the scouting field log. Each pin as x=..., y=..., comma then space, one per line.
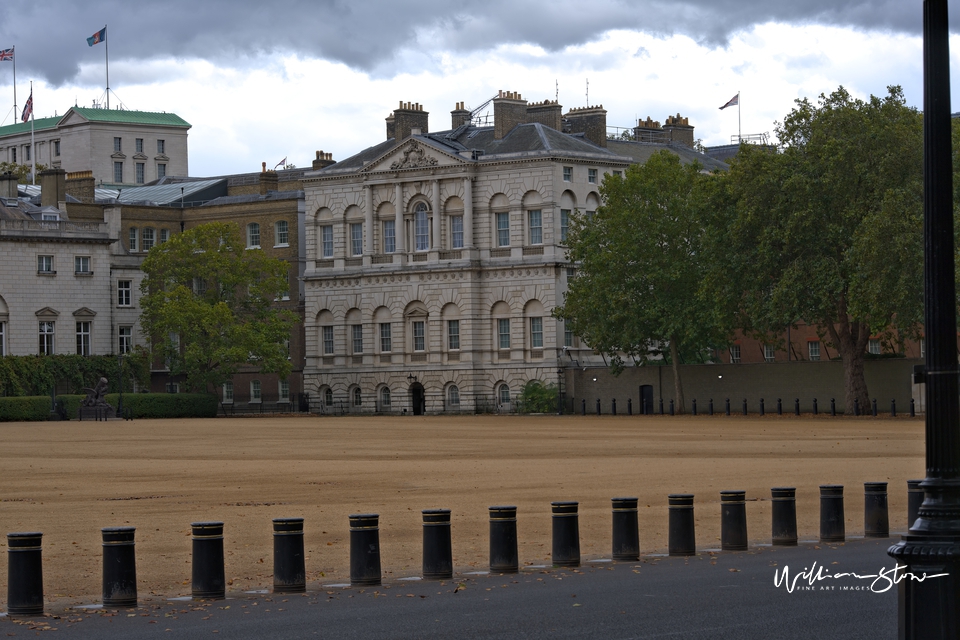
x=208, y=306
x=22, y=171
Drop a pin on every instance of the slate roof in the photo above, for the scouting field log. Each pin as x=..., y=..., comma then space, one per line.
x=130, y=117
x=640, y=152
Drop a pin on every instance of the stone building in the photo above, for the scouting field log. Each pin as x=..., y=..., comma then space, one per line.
x=434, y=260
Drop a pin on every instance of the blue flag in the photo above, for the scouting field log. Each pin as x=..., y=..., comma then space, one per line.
x=98, y=37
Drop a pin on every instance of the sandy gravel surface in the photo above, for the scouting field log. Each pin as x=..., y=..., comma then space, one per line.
x=68, y=480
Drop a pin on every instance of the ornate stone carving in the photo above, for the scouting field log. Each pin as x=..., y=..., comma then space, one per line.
x=414, y=157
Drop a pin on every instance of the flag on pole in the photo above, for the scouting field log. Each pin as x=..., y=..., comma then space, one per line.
x=281, y=163
x=98, y=37
x=6, y=54
x=28, y=108
x=732, y=102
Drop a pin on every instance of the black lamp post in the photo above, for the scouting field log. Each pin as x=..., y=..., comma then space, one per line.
x=931, y=609
x=120, y=381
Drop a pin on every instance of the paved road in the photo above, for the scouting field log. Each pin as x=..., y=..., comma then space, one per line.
x=712, y=595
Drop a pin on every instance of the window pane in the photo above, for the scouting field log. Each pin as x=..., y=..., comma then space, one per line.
x=536, y=333
x=138, y=144
x=356, y=239
x=456, y=232
x=328, y=340
x=123, y=293
x=255, y=394
x=421, y=228
x=386, y=337
x=536, y=226
x=389, y=236
x=125, y=341
x=453, y=334
x=326, y=233
x=148, y=237
x=283, y=232
x=253, y=235
x=161, y=170
x=504, y=394
x=118, y=171
x=357, y=338
x=564, y=224
x=453, y=396
x=385, y=397
x=133, y=239
x=419, y=344
x=139, y=172
x=503, y=332
x=83, y=338
x=503, y=229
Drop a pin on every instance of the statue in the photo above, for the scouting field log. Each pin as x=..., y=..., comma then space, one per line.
x=95, y=396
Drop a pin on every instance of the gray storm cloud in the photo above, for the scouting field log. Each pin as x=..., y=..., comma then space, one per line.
x=51, y=37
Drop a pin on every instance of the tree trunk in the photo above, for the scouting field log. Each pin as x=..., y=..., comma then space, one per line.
x=677, y=384
x=850, y=339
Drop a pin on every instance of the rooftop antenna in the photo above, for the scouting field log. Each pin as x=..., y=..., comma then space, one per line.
x=556, y=95
x=588, y=92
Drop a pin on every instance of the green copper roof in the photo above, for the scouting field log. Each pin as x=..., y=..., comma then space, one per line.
x=131, y=117
x=24, y=127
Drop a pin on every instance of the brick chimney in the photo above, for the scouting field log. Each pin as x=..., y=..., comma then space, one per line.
x=408, y=117
x=323, y=160
x=509, y=110
x=548, y=113
x=649, y=131
x=391, y=129
x=53, y=188
x=8, y=185
x=81, y=185
x=459, y=116
x=268, y=180
x=679, y=130
x=590, y=121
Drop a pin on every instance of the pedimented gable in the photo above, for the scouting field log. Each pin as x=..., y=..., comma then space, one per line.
x=413, y=154
x=71, y=117
x=47, y=313
x=84, y=312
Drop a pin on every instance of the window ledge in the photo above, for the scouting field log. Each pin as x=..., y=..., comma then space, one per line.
x=278, y=246
x=83, y=274
x=254, y=247
x=46, y=273
x=255, y=402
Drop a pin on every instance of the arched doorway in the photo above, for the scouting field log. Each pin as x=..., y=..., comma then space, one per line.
x=418, y=399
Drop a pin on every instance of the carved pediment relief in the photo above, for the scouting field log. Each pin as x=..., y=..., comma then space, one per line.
x=414, y=157
x=413, y=154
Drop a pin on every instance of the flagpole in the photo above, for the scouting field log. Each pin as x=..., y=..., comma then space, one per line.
x=33, y=147
x=15, y=112
x=106, y=50
x=739, y=127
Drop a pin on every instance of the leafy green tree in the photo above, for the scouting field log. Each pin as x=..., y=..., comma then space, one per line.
x=537, y=397
x=217, y=297
x=640, y=266
x=22, y=171
x=829, y=231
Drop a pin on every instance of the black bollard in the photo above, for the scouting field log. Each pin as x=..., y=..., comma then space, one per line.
x=24, y=574
x=671, y=407
x=913, y=408
x=761, y=406
x=598, y=406
x=728, y=406
x=914, y=500
x=437, y=549
x=796, y=406
x=856, y=406
x=629, y=406
x=832, y=527
x=815, y=412
x=784, y=516
x=119, y=567
x=694, y=406
x=613, y=406
x=876, y=521
x=643, y=405
x=583, y=407
x=733, y=521
x=289, y=569
x=208, y=578
x=710, y=406
x=661, y=406
x=893, y=408
x=833, y=406
x=566, y=534
x=873, y=406
x=503, y=540
x=626, y=530
x=682, y=535
x=779, y=407
x=364, y=549
x=744, y=406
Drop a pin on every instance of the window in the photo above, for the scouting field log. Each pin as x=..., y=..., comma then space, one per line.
x=173, y=387
x=385, y=397
x=564, y=224
x=419, y=341
x=503, y=229
x=873, y=347
x=13, y=154
x=590, y=215
x=567, y=337
x=253, y=236
x=47, y=330
x=83, y=338
x=571, y=273
x=567, y=174
x=56, y=148
x=124, y=288
x=255, y=392
x=813, y=350
x=453, y=396
x=357, y=330
x=389, y=236
x=281, y=233
x=50, y=217
x=421, y=227
x=327, y=340
x=199, y=287
x=228, y=392
x=328, y=396
x=769, y=354
x=386, y=337
x=284, y=391
x=357, y=397
x=923, y=353
x=45, y=264
x=147, y=239
x=453, y=334
x=356, y=239
x=503, y=394
x=326, y=236
x=619, y=174
x=161, y=170
x=734, y=354
x=81, y=264
x=503, y=333
x=138, y=144
x=456, y=232
x=535, y=222
x=592, y=176
x=125, y=339
x=118, y=172
x=132, y=244
x=117, y=145
x=536, y=333
x=173, y=345
x=164, y=235
x=160, y=147
x=26, y=152
x=139, y=172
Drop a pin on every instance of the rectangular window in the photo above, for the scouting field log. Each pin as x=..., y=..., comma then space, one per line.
x=118, y=172
x=357, y=330
x=503, y=229
x=873, y=347
x=161, y=170
x=81, y=264
x=564, y=224
x=734, y=354
x=419, y=342
x=148, y=238
x=386, y=337
x=140, y=171
x=45, y=264
x=567, y=337
x=536, y=333
x=813, y=351
x=456, y=232
x=327, y=340
x=83, y=338
x=503, y=333
x=173, y=387
x=160, y=147
x=769, y=353
x=253, y=235
x=535, y=222
x=138, y=144
x=619, y=174
x=56, y=148
x=284, y=389
x=124, y=288
x=567, y=174
x=282, y=232
x=453, y=335
x=255, y=392
x=326, y=235
x=13, y=155
x=125, y=339
x=228, y=392
x=26, y=152
x=164, y=235
x=923, y=353
x=47, y=330
x=132, y=245
x=389, y=236
x=590, y=215
x=592, y=176
x=117, y=145
x=199, y=287
x=421, y=230
x=356, y=239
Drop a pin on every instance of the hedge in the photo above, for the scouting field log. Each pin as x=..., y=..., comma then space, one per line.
x=25, y=408
x=135, y=405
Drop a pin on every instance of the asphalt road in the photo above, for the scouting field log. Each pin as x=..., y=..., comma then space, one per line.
x=711, y=595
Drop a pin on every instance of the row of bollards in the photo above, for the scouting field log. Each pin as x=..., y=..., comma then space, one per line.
x=25, y=576
x=761, y=407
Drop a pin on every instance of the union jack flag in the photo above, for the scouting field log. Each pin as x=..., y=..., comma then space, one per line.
x=28, y=108
x=732, y=102
x=6, y=54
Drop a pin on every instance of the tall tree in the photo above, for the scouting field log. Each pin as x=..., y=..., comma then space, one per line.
x=640, y=266
x=217, y=297
x=829, y=230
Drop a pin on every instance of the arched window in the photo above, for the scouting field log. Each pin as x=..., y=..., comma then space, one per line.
x=453, y=396
x=385, y=398
x=421, y=228
x=503, y=394
x=357, y=397
x=328, y=397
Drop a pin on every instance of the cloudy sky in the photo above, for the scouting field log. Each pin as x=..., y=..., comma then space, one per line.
x=264, y=80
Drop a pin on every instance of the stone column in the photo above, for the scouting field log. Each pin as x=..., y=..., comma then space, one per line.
x=468, y=213
x=437, y=244
x=368, y=220
x=401, y=238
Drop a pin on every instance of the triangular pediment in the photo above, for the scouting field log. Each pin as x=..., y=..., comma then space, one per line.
x=84, y=312
x=72, y=117
x=413, y=154
x=47, y=312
